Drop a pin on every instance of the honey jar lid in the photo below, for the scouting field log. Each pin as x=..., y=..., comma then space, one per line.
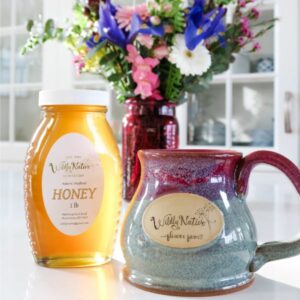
x=74, y=97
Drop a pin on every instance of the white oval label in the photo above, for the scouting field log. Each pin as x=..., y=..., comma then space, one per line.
x=72, y=184
x=183, y=220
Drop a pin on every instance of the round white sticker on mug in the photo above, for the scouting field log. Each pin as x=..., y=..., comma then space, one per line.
x=182, y=220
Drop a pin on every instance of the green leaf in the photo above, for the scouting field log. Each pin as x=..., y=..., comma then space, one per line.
x=197, y=84
x=115, y=77
x=49, y=27
x=59, y=33
x=76, y=29
x=121, y=98
x=223, y=2
x=177, y=18
x=108, y=59
x=195, y=89
x=29, y=25
x=79, y=18
x=171, y=81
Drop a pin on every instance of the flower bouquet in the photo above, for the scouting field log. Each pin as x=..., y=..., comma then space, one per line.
x=157, y=50
x=153, y=54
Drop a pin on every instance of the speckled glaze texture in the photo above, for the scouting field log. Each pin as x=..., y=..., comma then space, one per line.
x=222, y=264
x=226, y=263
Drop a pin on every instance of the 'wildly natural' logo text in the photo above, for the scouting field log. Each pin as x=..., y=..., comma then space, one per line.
x=69, y=166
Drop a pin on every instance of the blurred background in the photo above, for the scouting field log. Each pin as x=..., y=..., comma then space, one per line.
x=254, y=105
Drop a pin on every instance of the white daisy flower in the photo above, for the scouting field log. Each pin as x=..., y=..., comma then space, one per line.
x=189, y=62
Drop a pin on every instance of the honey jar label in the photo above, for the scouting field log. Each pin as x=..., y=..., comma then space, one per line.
x=182, y=220
x=72, y=184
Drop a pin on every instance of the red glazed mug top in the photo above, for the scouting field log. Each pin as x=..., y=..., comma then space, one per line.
x=192, y=152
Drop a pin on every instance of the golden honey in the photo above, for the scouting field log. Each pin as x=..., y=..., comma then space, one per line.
x=72, y=181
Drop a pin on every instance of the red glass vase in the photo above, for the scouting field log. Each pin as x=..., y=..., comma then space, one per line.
x=147, y=125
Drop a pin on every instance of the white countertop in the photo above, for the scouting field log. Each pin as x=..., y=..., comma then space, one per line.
x=273, y=202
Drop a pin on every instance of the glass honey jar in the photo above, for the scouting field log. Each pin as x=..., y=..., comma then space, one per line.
x=72, y=181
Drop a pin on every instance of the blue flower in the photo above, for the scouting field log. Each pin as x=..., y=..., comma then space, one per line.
x=201, y=26
x=108, y=27
x=111, y=7
x=93, y=41
x=138, y=26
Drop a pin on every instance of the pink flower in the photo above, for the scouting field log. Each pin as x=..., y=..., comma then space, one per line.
x=246, y=27
x=255, y=13
x=133, y=54
x=241, y=41
x=161, y=52
x=168, y=7
x=242, y=3
x=142, y=73
x=256, y=47
x=156, y=95
x=152, y=62
x=153, y=5
x=79, y=63
x=144, y=89
x=245, y=23
x=145, y=40
x=124, y=14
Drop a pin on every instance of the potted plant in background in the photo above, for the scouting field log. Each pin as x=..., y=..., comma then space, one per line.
x=152, y=55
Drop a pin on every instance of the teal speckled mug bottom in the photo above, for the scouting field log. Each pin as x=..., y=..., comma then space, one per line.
x=187, y=288
x=218, y=267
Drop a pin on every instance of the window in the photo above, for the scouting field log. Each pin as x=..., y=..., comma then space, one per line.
x=20, y=76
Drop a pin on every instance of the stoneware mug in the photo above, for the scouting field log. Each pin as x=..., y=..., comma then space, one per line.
x=188, y=230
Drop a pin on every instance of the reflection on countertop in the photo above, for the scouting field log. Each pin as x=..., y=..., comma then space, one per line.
x=273, y=202
x=106, y=282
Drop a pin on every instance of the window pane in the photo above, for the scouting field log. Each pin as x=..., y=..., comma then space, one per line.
x=261, y=61
x=4, y=59
x=206, y=117
x=28, y=67
x=253, y=114
x=4, y=115
x=5, y=13
x=28, y=9
x=27, y=114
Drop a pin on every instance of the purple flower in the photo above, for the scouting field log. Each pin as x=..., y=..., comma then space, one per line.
x=201, y=26
x=138, y=26
x=93, y=41
x=109, y=29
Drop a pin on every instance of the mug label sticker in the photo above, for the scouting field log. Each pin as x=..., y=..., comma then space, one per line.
x=182, y=220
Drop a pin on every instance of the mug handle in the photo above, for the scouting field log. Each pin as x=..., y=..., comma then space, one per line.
x=272, y=250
